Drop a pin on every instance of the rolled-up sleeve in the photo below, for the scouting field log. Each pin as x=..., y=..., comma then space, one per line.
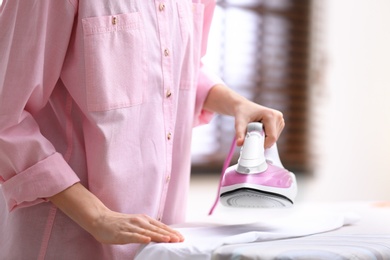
x=206, y=79
x=34, y=37
x=38, y=182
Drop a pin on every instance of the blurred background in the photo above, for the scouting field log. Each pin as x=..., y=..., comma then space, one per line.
x=325, y=65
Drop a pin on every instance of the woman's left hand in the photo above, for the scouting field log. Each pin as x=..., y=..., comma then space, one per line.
x=271, y=119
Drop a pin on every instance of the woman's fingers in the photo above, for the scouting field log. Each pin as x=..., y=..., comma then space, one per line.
x=159, y=228
x=159, y=231
x=273, y=125
x=118, y=228
x=272, y=120
x=240, y=131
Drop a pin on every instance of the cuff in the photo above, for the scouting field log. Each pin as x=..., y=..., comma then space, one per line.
x=44, y=179
x=206, y=81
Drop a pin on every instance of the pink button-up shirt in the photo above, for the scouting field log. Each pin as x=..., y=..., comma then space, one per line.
x=105, y=93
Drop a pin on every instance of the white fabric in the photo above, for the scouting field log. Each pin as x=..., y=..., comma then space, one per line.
x=238, y=226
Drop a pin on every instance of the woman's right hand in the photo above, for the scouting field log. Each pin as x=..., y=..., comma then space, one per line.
x=107, y=226
x=117, y=228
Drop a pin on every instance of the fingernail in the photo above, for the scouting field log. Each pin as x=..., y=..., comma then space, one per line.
x=165, y=238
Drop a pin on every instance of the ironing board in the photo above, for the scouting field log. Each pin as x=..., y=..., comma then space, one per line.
x=369, y=238
x=366, y=237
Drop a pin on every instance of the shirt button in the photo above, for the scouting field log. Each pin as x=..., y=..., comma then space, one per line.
x=168, y=178
x=169, y=93
x=114, y=20
x=161, y=7
x=169, y=136
x=166, y=52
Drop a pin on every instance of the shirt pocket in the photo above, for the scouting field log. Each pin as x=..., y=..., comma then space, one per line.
x=185, y=19
x=114, y=61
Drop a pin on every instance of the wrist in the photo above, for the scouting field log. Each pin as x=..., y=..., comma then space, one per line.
x=224, y=100
x=81, y=206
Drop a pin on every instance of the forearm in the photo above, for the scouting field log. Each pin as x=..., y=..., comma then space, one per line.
x=80, y=205
x=223, y=100
x=108, y=226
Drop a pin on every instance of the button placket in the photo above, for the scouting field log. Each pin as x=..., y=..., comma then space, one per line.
x=163, y=15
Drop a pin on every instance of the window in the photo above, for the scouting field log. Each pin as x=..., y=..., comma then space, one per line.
x=261, y=49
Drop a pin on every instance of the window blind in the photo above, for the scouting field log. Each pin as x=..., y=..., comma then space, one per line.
x=261, y=49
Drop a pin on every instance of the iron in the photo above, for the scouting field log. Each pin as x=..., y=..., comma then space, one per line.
x=258, y=180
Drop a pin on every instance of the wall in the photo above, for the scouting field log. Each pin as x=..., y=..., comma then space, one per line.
x=355, y=131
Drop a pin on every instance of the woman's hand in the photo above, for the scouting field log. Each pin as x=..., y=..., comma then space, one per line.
x=225, y=101
x=118, y=228
x=272, y=120
x=108, y=226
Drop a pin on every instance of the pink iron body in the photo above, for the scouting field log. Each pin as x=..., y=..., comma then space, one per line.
x=259, y=179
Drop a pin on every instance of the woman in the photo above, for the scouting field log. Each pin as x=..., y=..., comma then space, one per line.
x=98, y=100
